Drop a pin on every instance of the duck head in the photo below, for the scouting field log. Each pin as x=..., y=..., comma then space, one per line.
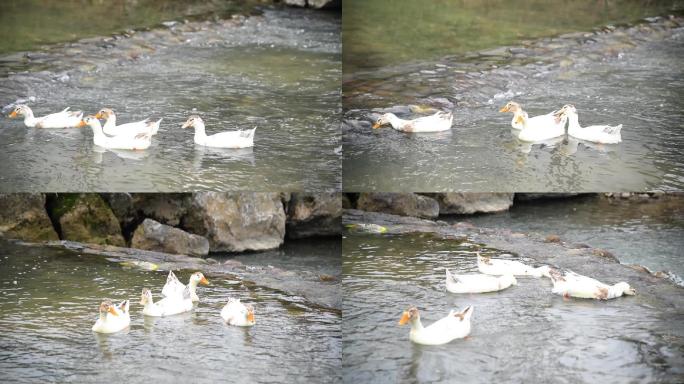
x=410, y=315
x=383, y=120
x=145, y=297
x=198, y=278
x=107, y=307
x=20, y=110
x=88, y=121
x=104, y=113
x=192, y=121
x=625, y=288
x=568, y=109
x=511, y=106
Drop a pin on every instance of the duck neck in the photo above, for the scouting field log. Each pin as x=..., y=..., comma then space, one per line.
x=192, y=284
x=97, y=129
x=110, y=122
x=573, y=120
x=29, y=119
x=199, y=134
x=416, y=324
x=396, y=122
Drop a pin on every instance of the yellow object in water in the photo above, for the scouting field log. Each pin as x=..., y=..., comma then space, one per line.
x=372, y=228
x=146, y=265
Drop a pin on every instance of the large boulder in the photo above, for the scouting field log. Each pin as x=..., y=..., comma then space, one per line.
x=457, y=203
x=314, y=214
x=154, y=236
x=404, y=204
x=236, y=222
x=85, y=218
x=23, y=216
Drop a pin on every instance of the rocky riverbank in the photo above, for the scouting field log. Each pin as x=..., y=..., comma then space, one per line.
x=192, y=224
x=433, y=205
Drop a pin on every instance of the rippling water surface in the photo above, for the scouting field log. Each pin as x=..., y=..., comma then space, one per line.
x=279, y=72
x=49, y=303
x=521, y=334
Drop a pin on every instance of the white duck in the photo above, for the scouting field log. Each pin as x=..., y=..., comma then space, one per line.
x=534, y=132
x=174, y=288
x=63, y=119
x=167, y=306
x=128, y=129
x=112, y=318
x=455, y=326
x=141, y=141
x=478, y=283
x=501, y=267
x=571, y=284
x=234, y=139
x=238, y=314
x=440, y=121
x=604, y=134
x=548, y=120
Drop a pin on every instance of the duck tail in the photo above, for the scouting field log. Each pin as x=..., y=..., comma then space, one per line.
x=449, y=276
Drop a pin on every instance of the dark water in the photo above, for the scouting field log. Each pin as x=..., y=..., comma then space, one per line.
x=521, y=334
x=640, y=88
x=280, y=72
x=49, y=303
x=645, y=233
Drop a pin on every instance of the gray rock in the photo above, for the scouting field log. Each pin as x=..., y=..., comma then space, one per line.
x=469, y=203
x=318, y=4
x=404, y=204
x=23, y=216
x=537, y=196
x=154, y=236
x=314, y=214
x=236, y=222
x=85, y=218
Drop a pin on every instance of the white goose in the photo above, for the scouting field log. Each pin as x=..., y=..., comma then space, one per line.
x=112, y=318
x=238, y=314
x=141, y=141
x=500, y=267
x=548, y=120
x=604, y=134
x=63, y=119
x=440, y=121
x=167, y=306
x=234, y=139
x=478, y=283
x=174, y=288
x=455, y=326
x=128, y=129
x=571, y=284
x=533, y=132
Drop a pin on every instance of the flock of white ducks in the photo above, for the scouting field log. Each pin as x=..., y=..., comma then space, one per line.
x=496, y=275
x=132, y=136
x=529, y=129
x=178, y=298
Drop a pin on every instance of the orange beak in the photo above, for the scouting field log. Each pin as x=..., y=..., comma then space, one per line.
x=376, y=125
x=250, y=317
x=13, y=114
x=504, y=109
x=112, y=311
x=99, y=115
x=81, y=123
x=204, y=281
x=404, y=318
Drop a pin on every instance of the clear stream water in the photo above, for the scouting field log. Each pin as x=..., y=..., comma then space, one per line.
x=521, y=334
x=49, y=303
x=279, y=72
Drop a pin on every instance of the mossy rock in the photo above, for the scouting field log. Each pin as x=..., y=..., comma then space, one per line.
x=86, y=218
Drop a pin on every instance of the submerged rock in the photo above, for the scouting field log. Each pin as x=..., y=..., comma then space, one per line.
x=318, y=4
x=236, y=222
x=468, y=203
x=404, y=204
x=23, y=216
x=154, y=236
x=85, y=218
x=317, y=214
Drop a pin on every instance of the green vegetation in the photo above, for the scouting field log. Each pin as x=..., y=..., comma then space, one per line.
x=378, y=33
